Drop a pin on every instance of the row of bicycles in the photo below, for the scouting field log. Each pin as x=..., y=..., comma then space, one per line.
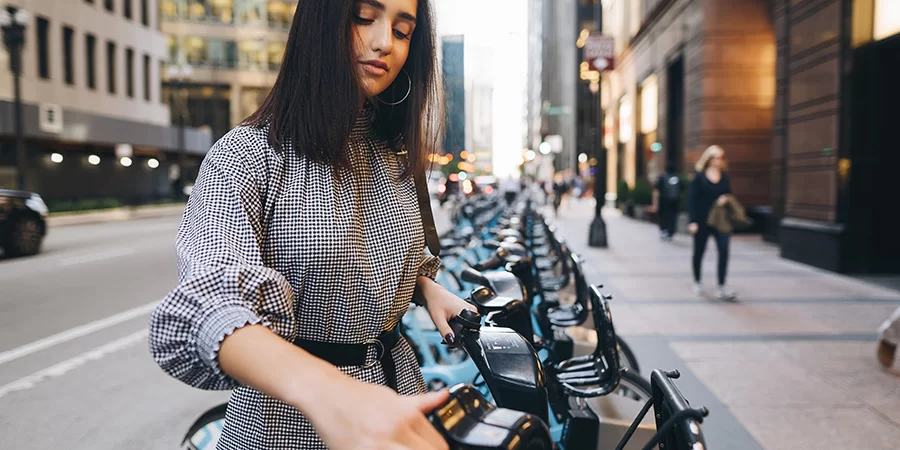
x=539, y=365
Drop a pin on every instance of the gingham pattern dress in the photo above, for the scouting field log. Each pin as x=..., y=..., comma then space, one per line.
x=277, y=239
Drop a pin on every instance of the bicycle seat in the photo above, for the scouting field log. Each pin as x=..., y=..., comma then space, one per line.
x=487, y=301
x=503, y=284
x=567, y=315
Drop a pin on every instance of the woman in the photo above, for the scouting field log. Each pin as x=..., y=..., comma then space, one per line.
x=711, y=185
x=302, y=242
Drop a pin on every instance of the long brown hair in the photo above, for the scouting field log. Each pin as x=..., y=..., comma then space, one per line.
x=314, y=101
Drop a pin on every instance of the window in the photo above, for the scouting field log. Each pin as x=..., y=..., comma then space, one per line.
x=276, y=55
x=222, y=54
x=90, y=45
x=43, y=44
x=111, y=67
x=147, y=77
x=129, y=72
x=145, y=13
x=126, y=9
x=211, y=10
x=109, y=5
x=68, y=63
x=280, y=14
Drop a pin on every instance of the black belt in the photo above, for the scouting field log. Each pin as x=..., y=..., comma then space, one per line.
x=355, y=354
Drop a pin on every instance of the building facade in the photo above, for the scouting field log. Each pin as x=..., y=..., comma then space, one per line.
x=690, y=74
x=91, y=84
x=834, y=153
x=801, y=95
x=234, y=50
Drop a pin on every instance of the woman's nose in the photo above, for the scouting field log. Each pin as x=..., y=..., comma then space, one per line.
x=382, y=38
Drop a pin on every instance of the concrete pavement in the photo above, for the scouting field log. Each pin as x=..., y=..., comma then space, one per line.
x=790, y=366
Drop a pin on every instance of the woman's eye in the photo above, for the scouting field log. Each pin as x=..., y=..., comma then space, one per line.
x=363, y=20
x=400, y=35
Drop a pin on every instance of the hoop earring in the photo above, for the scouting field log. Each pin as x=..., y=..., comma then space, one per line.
x=408, y=90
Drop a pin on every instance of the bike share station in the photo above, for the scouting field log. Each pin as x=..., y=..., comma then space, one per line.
x=518, y=379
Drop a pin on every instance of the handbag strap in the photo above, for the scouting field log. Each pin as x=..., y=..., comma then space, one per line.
x=431, y=236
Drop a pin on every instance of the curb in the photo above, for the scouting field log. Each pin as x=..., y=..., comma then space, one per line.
x=113, y=215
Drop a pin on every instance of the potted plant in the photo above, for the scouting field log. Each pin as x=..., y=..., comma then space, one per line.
x=642, y=195
x=623, y=198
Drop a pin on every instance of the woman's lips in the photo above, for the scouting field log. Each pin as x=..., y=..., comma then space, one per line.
x=374, y=68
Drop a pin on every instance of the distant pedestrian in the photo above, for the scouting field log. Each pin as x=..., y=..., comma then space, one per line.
x=560, y=187
x=510, y=188
x=888, y=354
x=710, y=187
x=667, y=200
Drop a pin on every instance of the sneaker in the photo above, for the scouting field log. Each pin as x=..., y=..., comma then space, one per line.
x=887, y=355
x=698, y=289
x=723, y=293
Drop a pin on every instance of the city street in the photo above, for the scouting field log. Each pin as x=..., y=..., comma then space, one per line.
x=75, y=370
x=790, y=366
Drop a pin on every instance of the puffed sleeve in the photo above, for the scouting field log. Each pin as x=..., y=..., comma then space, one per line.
x=429, y=266
x=223, y=283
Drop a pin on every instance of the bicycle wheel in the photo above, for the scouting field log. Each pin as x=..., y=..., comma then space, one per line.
x=632, y=385
x=204, y=433
x=626, y=356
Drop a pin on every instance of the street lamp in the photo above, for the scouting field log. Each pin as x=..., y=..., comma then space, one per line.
x=179, y=74
x=13, y=22
x=597, y=235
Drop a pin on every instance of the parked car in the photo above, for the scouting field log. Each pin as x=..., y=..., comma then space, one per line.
x=22, y=222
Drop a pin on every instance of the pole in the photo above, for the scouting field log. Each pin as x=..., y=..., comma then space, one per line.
x=181, y=143
x=21, y=153
x=597, y=236
x=14, y=39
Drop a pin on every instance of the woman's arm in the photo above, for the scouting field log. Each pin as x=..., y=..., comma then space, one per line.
x=345, y=412
x=692, y=199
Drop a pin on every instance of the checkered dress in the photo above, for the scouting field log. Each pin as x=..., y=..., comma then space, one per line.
x=277, y=239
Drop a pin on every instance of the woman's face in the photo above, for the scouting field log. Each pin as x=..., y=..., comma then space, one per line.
x=383, y=30
x=718, y=160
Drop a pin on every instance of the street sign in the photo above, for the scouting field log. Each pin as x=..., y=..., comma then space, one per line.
x=51, y=120
x=600, y=52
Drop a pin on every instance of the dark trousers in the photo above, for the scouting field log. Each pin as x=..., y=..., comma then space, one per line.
x=722, y=241
x=668, y=213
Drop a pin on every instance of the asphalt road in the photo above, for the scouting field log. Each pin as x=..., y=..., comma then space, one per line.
x=75, y=369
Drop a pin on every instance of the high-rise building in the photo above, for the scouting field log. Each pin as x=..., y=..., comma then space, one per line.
x=453, y=70
x=94, y=118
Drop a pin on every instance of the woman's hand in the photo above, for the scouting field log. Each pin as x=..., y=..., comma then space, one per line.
x=442, y=305
x=357, y=415
x=692, y=227
x=722, y=200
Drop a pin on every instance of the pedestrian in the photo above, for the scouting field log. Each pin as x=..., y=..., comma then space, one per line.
x=667, y=199
x=302, y=242
x=560, y=187
x=889, y=343
x=710, y=187
x=510, y=188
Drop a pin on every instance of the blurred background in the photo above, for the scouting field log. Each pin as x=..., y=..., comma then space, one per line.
x=107, y=108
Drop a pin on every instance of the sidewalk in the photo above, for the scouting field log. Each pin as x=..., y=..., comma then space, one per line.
x=791, y=366
x=114, y=214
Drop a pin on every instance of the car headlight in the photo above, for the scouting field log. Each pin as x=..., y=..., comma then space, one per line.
x=36, y=203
